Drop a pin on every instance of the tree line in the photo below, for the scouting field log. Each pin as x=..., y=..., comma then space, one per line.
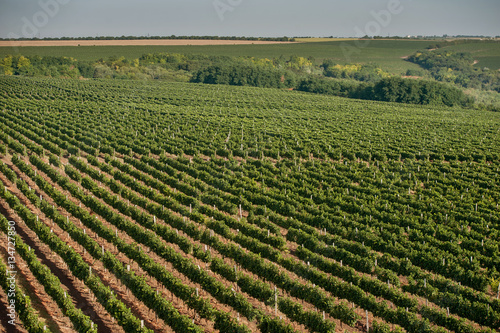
x=295, y=73
x=388, y=89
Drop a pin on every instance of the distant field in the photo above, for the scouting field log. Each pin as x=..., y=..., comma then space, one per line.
x=320, y=39
x=139, y=42
x=387, y=53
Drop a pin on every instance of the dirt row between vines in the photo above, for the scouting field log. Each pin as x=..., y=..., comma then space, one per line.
x=5, y=326
x=76, y=288
x=48, y=310
x=123, y=293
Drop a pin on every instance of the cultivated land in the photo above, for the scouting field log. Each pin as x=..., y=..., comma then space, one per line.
x=135, y=42
x=174, y=207
x=388, y=54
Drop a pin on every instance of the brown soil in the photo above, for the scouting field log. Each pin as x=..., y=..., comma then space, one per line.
x=76, y=289
x=122, y=292
x=140, y=42
x=5, y=327
x=48, y=311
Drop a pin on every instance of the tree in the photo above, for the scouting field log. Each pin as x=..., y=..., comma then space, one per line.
x=6, y=65
x=23, y=65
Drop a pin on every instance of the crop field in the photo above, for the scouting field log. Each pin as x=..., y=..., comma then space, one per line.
x=131, y=42
x=174, y=207
x=386, y=53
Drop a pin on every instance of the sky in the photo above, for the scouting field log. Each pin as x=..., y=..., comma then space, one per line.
x=256, y=18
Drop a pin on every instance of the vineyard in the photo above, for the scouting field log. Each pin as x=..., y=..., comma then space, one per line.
x=176, y=207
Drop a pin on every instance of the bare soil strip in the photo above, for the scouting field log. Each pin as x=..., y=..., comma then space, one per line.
x=76, y=289
x=45, y=305
x=134, y=42
x=109, y=279
x=5, y=327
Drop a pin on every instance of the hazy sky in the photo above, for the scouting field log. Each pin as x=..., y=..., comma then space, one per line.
x=56, y=18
